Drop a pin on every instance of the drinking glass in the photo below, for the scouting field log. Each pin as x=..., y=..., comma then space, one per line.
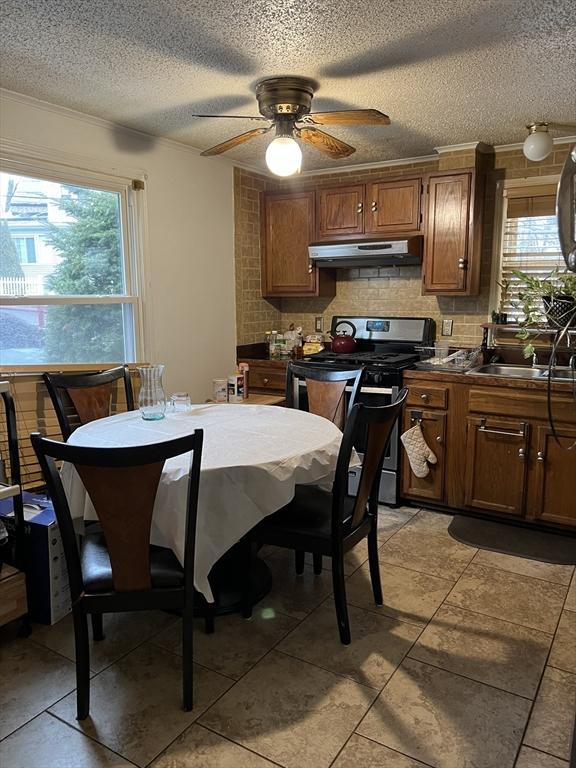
x=180, y=402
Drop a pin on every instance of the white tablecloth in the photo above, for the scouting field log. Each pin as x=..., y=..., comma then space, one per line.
x=253, y=456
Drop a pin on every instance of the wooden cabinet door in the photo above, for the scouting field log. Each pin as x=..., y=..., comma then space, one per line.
x=447, y=247
x=393, y=206
x=496, y=464
x=287, y=231
x=433, y=424
x=555, y=474
x=340, y=212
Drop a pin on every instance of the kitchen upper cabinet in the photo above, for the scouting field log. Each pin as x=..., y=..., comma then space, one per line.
x=340, y=212
x=496, y=464
x=555, y=467
x=393, y=206
x=288, y=228
x=386, y=208
x=452, y=234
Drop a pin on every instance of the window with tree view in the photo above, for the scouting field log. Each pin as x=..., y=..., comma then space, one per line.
x=66, y=283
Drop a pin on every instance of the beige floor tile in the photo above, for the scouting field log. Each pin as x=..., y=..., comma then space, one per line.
x=291, y=712
x=363, y=753
x=198, y=747
x=531, y=758
x=408, y=595
x=47, y=742
x=295, y=595
x=378, y=644
x=136, y=704
x=563, y=653
x=429, y=520
x=32, y=678
x=560, y=574
x=446, y=720
x=391, y=519
x=123, y=632
x=236, y=645
x=489, y=650
x=520, y=599
x=425, y=545
x=571, y=596
x=352, y=560
x=552, y=720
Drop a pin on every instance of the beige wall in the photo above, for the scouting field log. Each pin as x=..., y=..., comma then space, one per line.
x=189, y=308
x=370, y=291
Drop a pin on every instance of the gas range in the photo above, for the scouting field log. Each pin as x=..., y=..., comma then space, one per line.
x=385, y=346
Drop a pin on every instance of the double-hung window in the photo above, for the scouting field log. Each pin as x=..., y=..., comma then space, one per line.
x=68, y=267
x=529, y=241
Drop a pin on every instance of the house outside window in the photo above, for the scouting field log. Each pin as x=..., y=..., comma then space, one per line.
x=68, y=288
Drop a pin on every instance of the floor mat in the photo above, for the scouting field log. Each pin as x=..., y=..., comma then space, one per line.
x=513, y=540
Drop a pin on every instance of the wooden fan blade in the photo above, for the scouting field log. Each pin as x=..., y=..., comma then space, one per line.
x=330, y=145
x=235, y=141
x=348, y=117
x=232, y=117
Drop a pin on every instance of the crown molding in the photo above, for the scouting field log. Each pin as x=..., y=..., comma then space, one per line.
x=471, y=145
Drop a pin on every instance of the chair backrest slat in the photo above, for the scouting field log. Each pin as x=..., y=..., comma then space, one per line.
x=79, y=398
x=326, y=389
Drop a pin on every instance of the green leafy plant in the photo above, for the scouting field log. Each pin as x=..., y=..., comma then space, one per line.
x=530, y=300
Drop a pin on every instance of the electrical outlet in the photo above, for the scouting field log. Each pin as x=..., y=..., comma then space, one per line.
x=319, y=324
x=447, y=327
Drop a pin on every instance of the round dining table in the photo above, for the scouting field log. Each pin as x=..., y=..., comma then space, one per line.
x=252, y=459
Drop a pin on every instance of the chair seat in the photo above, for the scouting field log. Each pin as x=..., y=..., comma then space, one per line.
x=165, y=569
x=309, y=513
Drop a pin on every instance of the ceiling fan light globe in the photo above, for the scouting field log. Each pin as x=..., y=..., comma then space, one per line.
x=538, y=145
x=284, y=156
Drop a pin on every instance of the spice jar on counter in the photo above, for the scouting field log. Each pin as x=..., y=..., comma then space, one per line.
x=244, y=369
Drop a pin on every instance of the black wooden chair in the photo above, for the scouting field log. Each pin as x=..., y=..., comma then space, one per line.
x=332, y=523
x=120, y=571
x=325, y=396
x=79, y=398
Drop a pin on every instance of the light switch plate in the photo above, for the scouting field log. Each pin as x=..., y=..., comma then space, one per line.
x=447, y=327
x=319, y=324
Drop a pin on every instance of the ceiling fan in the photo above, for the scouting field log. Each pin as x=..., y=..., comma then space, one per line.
x=285, y=103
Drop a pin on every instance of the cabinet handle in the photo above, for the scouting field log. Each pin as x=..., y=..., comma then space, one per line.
x=424, y=397
x=359, y=207
x=540, y=456
x=521, y=453
x=265, y=381
x=520, y=433
x=438, y=438
x=374, y=206
x=310, y=267
x=462, y=264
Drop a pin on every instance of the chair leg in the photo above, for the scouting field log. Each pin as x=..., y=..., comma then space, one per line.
x=187, y=658
x=374, y=565
x=317, y=563
x=299, y=558
x=97, y=626
x=339, y=587
x=82, y=664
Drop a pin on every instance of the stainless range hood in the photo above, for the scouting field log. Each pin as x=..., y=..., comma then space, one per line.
x=364, y=253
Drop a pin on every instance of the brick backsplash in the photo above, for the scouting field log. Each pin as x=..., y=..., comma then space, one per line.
x=390, y=291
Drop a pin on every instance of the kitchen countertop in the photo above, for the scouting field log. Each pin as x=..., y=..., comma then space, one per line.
x=486, y=381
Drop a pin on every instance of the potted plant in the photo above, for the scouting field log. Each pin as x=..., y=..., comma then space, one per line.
x=500, y=317
x=549, y=300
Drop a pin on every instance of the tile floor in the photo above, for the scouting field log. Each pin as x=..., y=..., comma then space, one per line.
x=470, y=663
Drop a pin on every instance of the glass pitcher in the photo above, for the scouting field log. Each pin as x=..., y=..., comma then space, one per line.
x=151, y=400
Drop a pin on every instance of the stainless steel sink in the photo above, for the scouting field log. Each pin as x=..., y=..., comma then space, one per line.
x=561, y=374
x=509, y=371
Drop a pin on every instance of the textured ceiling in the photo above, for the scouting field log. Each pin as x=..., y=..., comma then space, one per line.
x=445, y=71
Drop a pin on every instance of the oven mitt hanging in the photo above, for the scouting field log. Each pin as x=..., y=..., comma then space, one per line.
x=419, y=454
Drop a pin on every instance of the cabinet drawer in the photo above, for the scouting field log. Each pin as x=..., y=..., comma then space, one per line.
x=267, y=379
x=427, y=395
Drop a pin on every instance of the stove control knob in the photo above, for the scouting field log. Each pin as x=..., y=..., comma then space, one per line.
x=377, y=377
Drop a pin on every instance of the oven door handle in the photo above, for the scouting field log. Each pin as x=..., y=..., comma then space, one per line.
x=364, y=390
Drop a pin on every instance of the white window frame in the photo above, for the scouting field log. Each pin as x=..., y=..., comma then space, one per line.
x=501, y=210
x=132, y=213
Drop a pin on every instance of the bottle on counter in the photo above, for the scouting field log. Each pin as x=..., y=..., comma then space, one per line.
x=244, y=369
x=274, y=349
x=236, y=388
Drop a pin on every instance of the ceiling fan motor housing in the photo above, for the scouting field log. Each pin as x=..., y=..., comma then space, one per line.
x=289, y=96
